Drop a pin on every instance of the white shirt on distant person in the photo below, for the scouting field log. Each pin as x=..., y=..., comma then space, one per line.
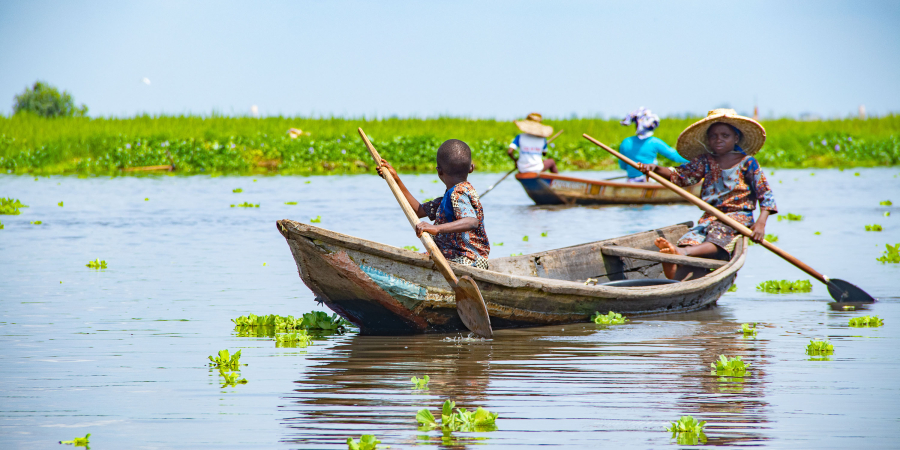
x=531, y=152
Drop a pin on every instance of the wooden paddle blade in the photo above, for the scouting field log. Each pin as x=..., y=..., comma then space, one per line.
x=471, y=308
x=844, y=292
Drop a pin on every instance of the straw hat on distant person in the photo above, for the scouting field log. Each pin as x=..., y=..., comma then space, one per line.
x=692, y=141
x=532, y=125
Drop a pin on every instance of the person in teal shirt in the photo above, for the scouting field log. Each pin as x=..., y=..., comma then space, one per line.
x=643, y=147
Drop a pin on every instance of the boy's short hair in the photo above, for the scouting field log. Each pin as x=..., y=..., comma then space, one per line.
x=454, y=157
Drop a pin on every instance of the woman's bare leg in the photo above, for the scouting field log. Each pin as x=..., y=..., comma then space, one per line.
x=704, y=250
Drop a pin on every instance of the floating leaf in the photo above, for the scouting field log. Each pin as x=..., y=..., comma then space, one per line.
x=10, y=206
x=79, y=442
x=785, y=286
x=237, y=190
x=544, y=234
x=60, y=204
x=226, y=361
x=688, y=431
x=411, y=248
x=730, y=367
x=866, y=321
x=874, y=227
x=290, y=203
x=420, y=383
x=817, y=347
x=246, y=205
x=886, y=203
x=525, y=238
x=366, y=442
x=36, y=222
x=891, y=254
x=733, y=288
x=96, y=264
x=790, y=217
x=748, y=330
x=612, y=318
x=499, y=244
x=318, y=219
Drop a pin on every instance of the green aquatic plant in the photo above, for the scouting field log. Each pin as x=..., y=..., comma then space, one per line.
x=499, y=244
x=733, y=288
x=237, y=190
x=10, y=206
x=298, y=339
x=1, y=225
x=544, y=234
x=231, y=378
x=769, y=237
x=321, y=321
x=790, y=217
x=730, y=367
x=366, y=442
x=817, y=348
x=60, y=204
x=318, y=219
x=36, y=222
x=891, y=254
x=225, y=360
x=79, y=441
x=885, y=203
x=688, y=431
x=748, y=330
x=612, y=318
x=784, y=286
x=887, y=214
x=96, y=264
x=866, y=321
x=525, y=238
x=290, y=203
x=420, y=383
x=411, y=248
x=874, y=227
x=272, y=322
x=246, y=205
x=458, y=420
x=516, y=254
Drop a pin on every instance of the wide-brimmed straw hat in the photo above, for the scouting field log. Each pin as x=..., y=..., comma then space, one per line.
x=532, y=125
x=692, y=142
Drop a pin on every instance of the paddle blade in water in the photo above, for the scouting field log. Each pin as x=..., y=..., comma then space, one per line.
x=844, y=292
x=471, y=308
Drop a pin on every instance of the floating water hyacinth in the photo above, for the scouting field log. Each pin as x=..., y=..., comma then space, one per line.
x=10, y=206
x=516, y=254
x=299, y=339
x=1, y=225
x=688, y=431
x=891, y=254
x=544, y=234
x=525, y=238
x=237, y=190
x=874, y=227
x=885, y=203
x=226, y=361
x=769, y=237
x=266, y=325
x=866, y=321
x=60, y=204
x=411, y=248
x=321, y=321
x=246, y=205
x=612, y=318
x=458, y=420
x=96, y=264
x=36, y=222
x=318, y=219
x=748, y=330
x=817, y=348
x=730, y=367
x=790, y=217
x=785, y=286
x=499, y=244
x=231, y=378
x=290, y=203
x=79, y=441
x=420, y=383
x=366, y=442
x=733, y=288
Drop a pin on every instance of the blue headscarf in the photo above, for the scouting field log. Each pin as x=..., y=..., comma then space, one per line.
x=645, y=119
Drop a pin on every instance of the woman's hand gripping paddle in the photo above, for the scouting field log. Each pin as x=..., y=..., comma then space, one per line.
x=840, y=290
x=516, y=168
x=469, y=302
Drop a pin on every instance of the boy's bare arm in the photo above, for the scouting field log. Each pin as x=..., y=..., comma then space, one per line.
x=416, y=206
x=457, y=226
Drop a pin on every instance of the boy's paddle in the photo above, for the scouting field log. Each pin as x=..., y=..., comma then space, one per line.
x=516, y=168
x=469, y=302
x=840, y=290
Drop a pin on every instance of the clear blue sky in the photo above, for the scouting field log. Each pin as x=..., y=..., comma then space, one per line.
x=477, y=59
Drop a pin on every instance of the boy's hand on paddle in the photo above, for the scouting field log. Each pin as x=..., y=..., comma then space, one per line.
x=423, y=227
x=647, y=168
x=386, y=166
x=759, y=232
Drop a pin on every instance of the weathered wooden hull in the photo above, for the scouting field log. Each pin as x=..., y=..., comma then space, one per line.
x=389, y=290
x=553, y=189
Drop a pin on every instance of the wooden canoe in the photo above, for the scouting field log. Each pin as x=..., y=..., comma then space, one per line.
x=389, y=290
x=553, y=189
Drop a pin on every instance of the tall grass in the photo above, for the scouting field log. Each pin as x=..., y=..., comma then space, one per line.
x=30, y=144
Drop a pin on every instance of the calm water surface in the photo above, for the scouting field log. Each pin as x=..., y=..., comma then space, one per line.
x=121, y=353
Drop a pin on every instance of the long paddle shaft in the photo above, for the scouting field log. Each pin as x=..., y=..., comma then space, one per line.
x=516, y=168
x=727, y=220
x=469, y=302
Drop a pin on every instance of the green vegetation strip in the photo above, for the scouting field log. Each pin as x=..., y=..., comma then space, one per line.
x=219, y=145
x=866, y=321
x=784, y=286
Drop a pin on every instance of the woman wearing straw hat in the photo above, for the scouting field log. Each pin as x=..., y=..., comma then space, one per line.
x=643, y=146
x=720, y=148
x=532, y=145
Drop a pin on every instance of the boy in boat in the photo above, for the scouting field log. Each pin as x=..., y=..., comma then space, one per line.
x=643, y=146
x=532, y=146
x=458, y=227
x=720, y=148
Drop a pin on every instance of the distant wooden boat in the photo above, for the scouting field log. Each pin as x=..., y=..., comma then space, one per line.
x=389, y=290
x=553, y=189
